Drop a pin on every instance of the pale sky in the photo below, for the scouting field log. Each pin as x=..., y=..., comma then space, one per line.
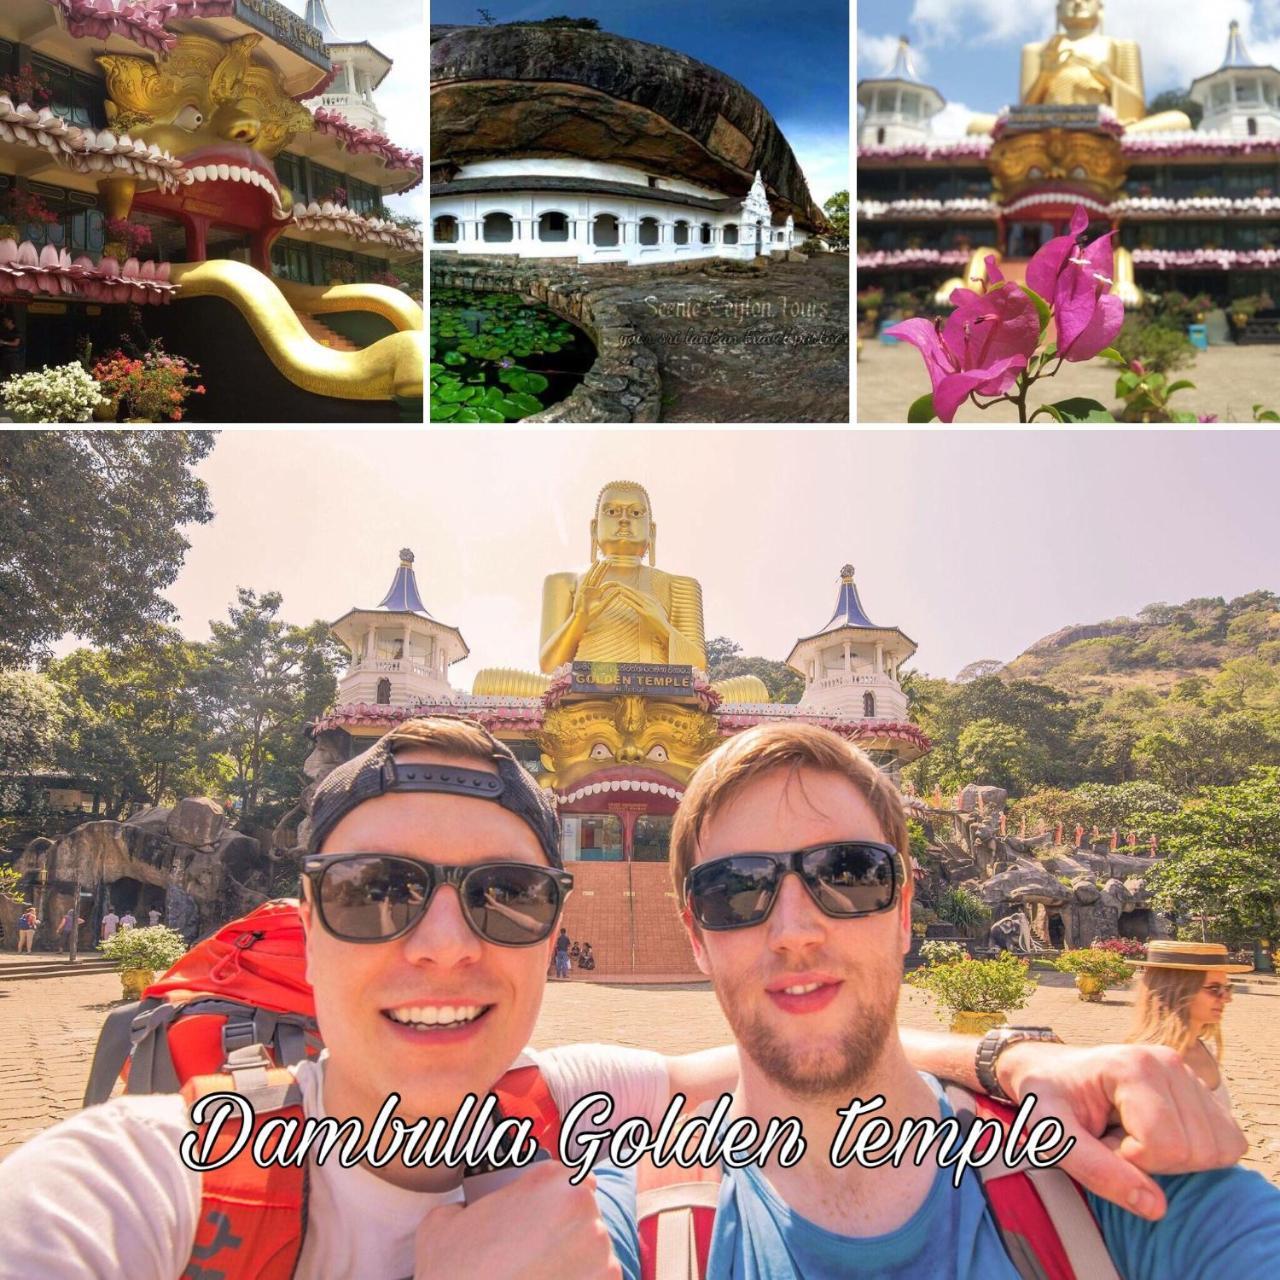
x=976, y=544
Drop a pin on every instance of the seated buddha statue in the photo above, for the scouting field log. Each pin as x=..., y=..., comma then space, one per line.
x=1080, y=66
x=619, y=609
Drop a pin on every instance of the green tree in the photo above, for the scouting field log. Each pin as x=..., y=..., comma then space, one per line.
x=837, y=210
x=90, y=532
x=133, y=723
x=1177, y=100
x=32, y=716
x=999, y=754
x=725, y=660
x=260, y=682
x=1231, y=895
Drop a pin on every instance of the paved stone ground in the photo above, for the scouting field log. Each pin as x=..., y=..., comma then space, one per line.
x=772, y=347
x=1229, y=380
x=48, y=1028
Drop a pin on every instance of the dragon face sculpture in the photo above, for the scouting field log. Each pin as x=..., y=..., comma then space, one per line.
x=224, y=116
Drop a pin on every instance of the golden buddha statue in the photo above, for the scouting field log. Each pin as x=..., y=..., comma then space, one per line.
x=1080, y=66
x=620, y=609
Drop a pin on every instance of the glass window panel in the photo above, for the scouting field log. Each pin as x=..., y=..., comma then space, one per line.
x=651, y=839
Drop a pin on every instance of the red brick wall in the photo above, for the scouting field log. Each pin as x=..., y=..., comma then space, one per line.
x=641, y=935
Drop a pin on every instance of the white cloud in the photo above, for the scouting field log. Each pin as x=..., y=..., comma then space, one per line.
x=952, y=121
x=825, y=160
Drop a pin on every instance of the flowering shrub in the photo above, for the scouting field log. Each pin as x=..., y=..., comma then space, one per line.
x=1103, y=965
x=135, y=236
x=976, y=986
x=338, y=195
x=1129, y=948
x=151, y=387
x=389, y=278
x=156, y=948
x=342, y=271
x=939, y=951
x=25, y=207
x=65, y=393
x=28, y=86
x=992, y=343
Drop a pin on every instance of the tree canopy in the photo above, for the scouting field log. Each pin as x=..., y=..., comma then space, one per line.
x=90, y=532
x=725, y=660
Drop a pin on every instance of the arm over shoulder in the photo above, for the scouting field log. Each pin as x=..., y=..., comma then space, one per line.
x=103, y=1194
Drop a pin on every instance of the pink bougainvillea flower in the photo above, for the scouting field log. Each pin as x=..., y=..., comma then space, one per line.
x=984, y=344
x=1075, y=281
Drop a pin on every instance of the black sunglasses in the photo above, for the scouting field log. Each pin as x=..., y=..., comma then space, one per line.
x=846, y=879
x=375, y=897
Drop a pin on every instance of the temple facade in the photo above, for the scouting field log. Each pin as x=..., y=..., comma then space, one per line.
x=159, y=152
x=602, y=150
x=1197, y=210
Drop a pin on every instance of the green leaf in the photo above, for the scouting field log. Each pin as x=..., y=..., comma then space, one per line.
x=436, y=368
x=922, y=410
x=442, y=412
x=1266, y=415
x=1183, y=416
x=1051, y=410
x=1110, y=353
x=534, y=383
x=1178, y=386
x=452, y=357
x=1080, y=409
x=525, y=402
x=1042, y=307
x=485, y=414
x=467, y=415
x=1127, y=381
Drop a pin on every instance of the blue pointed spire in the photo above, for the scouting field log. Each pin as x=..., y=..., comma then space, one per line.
x=904, y=65
x=317, y=15
x=402, y=596
x=849, y=611
x=1237, y=55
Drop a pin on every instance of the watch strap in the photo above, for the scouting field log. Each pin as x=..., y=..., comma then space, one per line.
x=994, y=1043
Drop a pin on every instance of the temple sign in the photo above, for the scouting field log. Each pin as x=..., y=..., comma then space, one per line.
x=1080, y=66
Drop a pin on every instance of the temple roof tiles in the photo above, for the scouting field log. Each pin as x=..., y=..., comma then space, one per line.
x=402, y=596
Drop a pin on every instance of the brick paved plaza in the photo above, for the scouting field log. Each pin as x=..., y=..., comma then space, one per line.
x=1229, y=380
x=48, y=1028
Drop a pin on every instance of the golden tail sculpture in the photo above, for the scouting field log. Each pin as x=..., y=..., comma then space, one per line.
x=390, y=368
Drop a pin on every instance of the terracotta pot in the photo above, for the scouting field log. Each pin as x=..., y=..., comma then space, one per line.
x=135, y=982
x=968, y=1023
x=8, y=231
x=1090, y=987
x=106, y=412
x=115, y=249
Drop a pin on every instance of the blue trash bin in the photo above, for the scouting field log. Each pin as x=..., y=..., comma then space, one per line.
x=1199, y=335
x=887, y=339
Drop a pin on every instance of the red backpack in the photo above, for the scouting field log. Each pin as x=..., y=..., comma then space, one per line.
x=1044, y=1220
x=232, y=1015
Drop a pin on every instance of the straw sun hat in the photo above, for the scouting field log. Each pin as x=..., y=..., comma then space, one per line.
x=1190, y=955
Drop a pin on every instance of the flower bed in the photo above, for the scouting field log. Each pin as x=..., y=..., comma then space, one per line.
x=152, y=387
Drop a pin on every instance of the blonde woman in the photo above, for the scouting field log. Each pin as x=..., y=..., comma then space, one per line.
x=1183, y=992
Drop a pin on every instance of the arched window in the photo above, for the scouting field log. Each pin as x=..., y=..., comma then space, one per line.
x=498, y=228
x=682, y=232
x=444, y=230
x=648, y=231
x=553, y=226
x=869, y=705
x=778, y=237
x=383, y=696
x=731, y=233
x=1253, y=127
x=880, y=137
x=604, y=231
x=704, y=233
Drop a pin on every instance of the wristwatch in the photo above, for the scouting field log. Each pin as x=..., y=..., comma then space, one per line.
x=994, y=1043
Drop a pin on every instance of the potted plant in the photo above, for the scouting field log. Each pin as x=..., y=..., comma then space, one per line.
x=125, y=239
x=341, y=271
x=25, y=208
x=28, y=86
x=63, y=393
x=152, y=387
x=1096, y=971
x=976, y=994
x=139, y=954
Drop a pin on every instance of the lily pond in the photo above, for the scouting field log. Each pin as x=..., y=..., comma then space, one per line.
x=497, y=358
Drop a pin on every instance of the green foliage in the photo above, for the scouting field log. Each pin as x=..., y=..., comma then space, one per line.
x=725, y=660
x=940, y=951
x=1124, y=806
x=918, y=842
x=837, y=210
x=156, y=948
x=963, y=909
x=1146, y=397
x=1160, y=346
x=1177, y=100
x=260, y=682
x=91, y=526
x=996, y=753
x=10, y=879
x=976, y=986
x=583, y=24
x=1105, y=966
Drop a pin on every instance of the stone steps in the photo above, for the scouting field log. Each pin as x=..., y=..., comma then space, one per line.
x=15, y=968
x=325, y=336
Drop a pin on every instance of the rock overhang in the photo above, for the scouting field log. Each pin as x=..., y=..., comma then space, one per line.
x=589, y=95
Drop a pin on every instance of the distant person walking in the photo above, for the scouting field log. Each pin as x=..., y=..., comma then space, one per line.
x=153, y=918
x=27, y=925
x=1181, y=999
x=110, y=923
x=69, y=921
x=13, y=348
x=562, y=954
x=128, y=920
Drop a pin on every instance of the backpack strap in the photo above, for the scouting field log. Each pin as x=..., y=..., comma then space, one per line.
x=252, y=1220
x=111, y=1053
x=1043, y=1217
x=675, y=1217
x=523, y=1094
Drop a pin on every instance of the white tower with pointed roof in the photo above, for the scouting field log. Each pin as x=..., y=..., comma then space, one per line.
x=360, y=69
x=898, y=105
x=400, y=655
x=1240, y=98
x=850, y=666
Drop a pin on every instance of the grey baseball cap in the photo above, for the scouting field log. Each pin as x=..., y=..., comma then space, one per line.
x=376, y=771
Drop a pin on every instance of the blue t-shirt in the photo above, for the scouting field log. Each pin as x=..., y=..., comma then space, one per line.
x=1229, y=1218
x=616, y=1200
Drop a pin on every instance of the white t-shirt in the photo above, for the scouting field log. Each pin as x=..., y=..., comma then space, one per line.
x=153, y=917
x=109, y=924
x=127, y=920
x=105, y=1194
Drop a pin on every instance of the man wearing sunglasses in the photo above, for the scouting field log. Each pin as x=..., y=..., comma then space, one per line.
x=432, y=889
x=789, y=854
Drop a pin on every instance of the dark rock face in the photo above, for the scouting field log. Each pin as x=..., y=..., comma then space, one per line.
x=539, y=91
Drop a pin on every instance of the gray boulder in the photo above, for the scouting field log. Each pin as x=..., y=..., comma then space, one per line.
x=197, y=821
